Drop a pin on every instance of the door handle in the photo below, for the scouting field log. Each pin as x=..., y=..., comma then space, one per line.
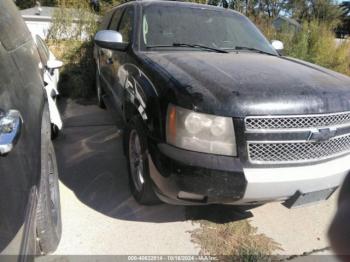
x=10, y=130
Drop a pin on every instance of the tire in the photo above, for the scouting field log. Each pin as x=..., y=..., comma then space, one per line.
x=99, y=91
x=49, y=224
x=137, y=154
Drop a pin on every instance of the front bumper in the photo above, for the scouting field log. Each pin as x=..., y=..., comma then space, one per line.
x=190, y=178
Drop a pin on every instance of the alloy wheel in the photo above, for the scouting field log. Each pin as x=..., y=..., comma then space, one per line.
x=136, y=160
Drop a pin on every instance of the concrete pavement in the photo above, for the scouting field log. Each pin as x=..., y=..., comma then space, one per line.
x=101, y=217
x=300, y=230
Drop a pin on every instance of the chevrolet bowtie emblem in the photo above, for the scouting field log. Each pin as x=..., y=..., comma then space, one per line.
x=322, y=134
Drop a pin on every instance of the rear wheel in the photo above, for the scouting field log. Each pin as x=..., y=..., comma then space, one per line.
x=137, y=154
x=99, y=91
x=49, y=224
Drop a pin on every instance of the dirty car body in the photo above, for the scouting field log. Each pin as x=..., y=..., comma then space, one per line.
x=227, y=119
x=28, y=177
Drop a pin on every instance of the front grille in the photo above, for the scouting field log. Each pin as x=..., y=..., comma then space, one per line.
x=289, y=152
x=297, y=122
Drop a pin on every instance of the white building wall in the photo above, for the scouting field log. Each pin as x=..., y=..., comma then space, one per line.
x=39, y=28
x=42, y=28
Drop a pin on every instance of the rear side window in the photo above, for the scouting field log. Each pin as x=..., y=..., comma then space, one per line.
x=126, y=24
x=115, y=19
x=13, y=30
x=105, y=21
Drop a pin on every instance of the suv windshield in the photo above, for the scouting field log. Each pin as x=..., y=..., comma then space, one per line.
x=162, y=26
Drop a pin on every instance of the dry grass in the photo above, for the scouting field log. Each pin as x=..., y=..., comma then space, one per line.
x=315, y=43
x=235, y=241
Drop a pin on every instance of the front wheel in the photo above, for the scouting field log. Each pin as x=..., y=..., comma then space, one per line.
x=137, y=154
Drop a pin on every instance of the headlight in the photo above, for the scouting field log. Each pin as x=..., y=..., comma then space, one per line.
x=200, y=132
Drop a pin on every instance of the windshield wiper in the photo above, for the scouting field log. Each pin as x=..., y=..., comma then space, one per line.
x=202, y=47
x=253, y=49
x=192, y=46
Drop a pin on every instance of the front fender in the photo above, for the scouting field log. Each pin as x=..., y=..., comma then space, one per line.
x=141, y=93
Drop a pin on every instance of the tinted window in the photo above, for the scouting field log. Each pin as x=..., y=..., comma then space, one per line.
x=165, y=25
x=115, y=19
x=126, y=24
x=13, y=31
x=104, y=22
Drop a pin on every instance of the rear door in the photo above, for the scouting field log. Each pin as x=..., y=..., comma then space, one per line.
x=120, y=58
x=21, y=97
x=105, y=56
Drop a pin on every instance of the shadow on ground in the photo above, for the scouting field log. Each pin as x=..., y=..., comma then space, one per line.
x=92, y=164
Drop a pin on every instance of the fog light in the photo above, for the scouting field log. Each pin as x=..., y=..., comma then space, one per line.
x=190, y=196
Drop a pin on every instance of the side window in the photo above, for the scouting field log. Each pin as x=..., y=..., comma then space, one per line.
x=104, y=22
x=126, y=24
x=115, y=19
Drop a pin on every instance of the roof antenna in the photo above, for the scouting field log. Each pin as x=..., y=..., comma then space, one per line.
x=39, y=9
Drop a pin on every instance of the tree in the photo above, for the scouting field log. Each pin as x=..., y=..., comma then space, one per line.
x=344, y=27
x=321, y=10
x=273, y=8
x=254, y=8
x=73, y=20
x=23, y=4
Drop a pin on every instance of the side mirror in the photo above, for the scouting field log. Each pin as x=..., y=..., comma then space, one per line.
x=278, y=45
x=110, y=39
x=54, y=64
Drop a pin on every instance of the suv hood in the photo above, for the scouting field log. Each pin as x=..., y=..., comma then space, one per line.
x=245, y=83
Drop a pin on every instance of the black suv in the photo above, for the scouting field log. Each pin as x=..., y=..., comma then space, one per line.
x=30, y=219
x=214, y=113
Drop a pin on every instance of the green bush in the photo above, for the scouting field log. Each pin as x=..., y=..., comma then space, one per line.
x=73, y=20
x=70, y=38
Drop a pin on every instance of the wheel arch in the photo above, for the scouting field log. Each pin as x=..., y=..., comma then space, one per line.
x=141, y=98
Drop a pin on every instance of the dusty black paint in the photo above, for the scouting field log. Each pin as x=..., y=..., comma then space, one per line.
x=21, y=88
x=235, y=84
x=245, y=84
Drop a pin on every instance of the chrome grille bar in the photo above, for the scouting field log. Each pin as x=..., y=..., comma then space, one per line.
x=280, y=152
x=256, y=123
